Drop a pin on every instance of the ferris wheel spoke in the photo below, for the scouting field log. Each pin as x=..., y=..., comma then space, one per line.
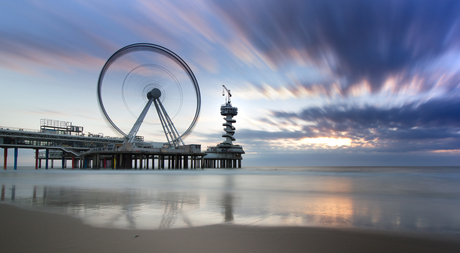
x=132, y=134
x=177, y=140
x=166, y=130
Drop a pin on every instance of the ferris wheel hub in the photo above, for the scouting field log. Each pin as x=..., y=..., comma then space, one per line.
x=154, y=93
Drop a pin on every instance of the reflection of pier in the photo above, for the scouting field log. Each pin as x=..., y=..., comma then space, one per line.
x=94, y=151
x=174, y=205
x=123, y=209
x=13, y=192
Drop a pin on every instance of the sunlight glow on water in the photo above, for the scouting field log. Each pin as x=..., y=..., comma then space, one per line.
x=400, y=199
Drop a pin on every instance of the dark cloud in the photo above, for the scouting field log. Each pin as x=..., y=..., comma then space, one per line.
x=433, y=113
x=431, y=125
x=356, y=39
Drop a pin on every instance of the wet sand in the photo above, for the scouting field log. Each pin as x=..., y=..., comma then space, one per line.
x=31, y=231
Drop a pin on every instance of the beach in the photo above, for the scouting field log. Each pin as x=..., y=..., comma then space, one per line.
x=34, y=231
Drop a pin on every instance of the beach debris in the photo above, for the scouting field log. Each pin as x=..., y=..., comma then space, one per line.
x=135, y=236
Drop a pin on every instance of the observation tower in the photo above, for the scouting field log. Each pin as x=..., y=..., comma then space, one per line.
x=225, y=154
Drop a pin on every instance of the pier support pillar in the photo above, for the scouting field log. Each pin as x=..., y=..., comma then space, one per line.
x=47, y=155
x=95, y=162
x=15, y=158
x=36, y=159
x=5, y=158
x=73, y=162
x=239, y=164
x=63, y=161
x=185, y=162
x=141, y=161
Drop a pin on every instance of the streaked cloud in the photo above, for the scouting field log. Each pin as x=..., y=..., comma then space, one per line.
x=356, y=41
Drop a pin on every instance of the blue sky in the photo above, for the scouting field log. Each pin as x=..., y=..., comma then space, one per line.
x=316, y=82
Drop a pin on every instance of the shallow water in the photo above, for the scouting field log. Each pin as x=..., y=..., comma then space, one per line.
x=418, y=199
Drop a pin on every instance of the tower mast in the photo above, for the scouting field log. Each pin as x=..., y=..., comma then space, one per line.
x=229, y=112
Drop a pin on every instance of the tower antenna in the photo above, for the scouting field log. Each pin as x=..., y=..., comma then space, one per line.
x=229, y=95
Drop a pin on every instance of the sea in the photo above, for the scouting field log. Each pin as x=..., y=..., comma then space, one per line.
x=401, y=199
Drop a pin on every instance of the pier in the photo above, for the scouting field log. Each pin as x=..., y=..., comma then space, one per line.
x=93, y=151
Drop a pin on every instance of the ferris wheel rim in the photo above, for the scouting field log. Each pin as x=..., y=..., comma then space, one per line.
x=139, y=46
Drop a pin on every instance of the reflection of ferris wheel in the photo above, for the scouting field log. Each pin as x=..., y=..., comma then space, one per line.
x=139, y=76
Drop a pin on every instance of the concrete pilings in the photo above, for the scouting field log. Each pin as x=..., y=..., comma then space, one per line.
x=15, y=158
x=112, y=160
x=222, y=163
x=130, y=160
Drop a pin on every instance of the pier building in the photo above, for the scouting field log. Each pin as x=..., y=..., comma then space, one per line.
x=225, y=154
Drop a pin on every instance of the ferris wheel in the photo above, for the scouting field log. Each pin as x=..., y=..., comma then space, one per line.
x=149, y=85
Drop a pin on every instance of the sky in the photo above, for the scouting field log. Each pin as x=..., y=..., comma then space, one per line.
x=316, y=83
